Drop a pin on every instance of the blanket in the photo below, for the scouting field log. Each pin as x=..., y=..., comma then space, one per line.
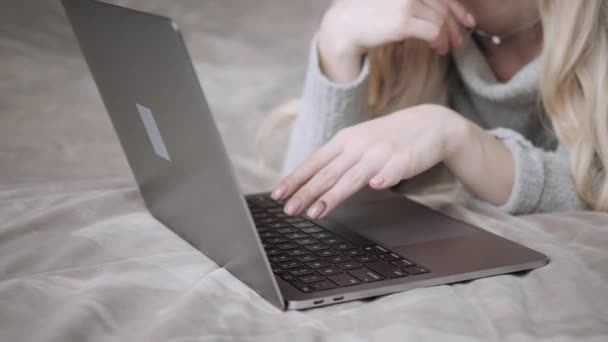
x=81, y=259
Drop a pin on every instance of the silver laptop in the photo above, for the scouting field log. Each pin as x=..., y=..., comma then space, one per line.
x=376, y=243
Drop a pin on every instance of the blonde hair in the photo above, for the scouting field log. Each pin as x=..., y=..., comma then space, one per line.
x=573, y=86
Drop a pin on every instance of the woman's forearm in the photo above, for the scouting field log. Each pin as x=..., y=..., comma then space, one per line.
x=484, y=165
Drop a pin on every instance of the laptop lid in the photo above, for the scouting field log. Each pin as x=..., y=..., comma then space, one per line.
x=151, y=92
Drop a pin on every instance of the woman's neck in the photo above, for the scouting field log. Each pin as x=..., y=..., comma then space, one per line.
x=513, y=53
x=518, y=23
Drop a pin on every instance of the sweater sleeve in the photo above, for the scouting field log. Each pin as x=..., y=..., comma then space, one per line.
x=543, y=181
x=325, y=108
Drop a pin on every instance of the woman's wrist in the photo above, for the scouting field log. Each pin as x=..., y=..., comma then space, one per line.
x=461, y=138
x=482, y=163
x=340, y=59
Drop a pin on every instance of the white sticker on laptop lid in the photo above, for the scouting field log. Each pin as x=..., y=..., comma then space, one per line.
x=153, y=133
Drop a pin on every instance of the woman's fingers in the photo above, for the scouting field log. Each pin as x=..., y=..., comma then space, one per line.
x=351, y=182
x=461, y=14
x=320, y=183
x=438, y=5
x=454, y=34
x=305, y=171
x=390, y=175
x=437, y=17
x=423, y=29
x=439, y=14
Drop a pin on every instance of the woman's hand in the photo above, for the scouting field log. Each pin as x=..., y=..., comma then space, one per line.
x=351, y=27
x=379, y=152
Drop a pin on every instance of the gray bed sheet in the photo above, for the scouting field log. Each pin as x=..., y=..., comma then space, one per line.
x=82, y=260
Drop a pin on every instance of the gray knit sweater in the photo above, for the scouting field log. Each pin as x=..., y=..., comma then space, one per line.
x=509, y=111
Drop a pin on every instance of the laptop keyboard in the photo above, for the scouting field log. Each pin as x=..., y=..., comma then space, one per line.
x=312, y=258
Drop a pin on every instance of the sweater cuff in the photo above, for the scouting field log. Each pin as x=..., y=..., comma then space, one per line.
x=334, y=106
x=529, y=173
x=320, y=80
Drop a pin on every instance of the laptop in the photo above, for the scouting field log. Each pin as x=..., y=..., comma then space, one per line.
x=376, y=243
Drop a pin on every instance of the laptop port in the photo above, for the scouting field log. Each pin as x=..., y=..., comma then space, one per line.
x=317, y=302
x=338, y=298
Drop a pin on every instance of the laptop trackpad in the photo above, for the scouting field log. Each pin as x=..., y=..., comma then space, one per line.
x=398, y=222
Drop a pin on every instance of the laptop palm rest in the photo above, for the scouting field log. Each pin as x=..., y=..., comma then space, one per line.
x=398, y=222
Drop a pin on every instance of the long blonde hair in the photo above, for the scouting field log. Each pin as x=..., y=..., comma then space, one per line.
x=573, y=86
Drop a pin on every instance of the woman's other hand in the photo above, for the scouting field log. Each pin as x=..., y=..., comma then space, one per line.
x=379, y=152
x=350, y=27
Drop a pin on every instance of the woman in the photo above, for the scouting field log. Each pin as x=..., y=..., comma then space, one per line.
x=510, y=95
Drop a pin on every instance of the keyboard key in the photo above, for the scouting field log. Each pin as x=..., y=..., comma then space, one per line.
x=273, y=251
x=310, y=230
x=352, y=237
x=329, y=270
x=332, y=241
x=269, y=234
x=262, y=202
x=287, y=230
x=323, y=285
x=349, y=265
x=386, y=270
x=275, y=210
x=343, y=279
x=365, y=275
x=338, y=259
x=375, y=249
x=326, y=253
x=316, y=247
x=415, y=270
x=353, y=252
x=288, y=277
x=260, y=215
x=317, y=264
x=277, y=225
x=321, y=235
x=307, y=257
x=296, y=235
x=267, y=220
x=300, y=271
x=389, y=257
x=311, y=278
x=343, y=246
x=303, y=224
x=281, y=215
x=302, y=287
x=278, y=239
x=279, y=258
x=306, y=241
x=402, y=263
x=289, y=264
x=297, y=251
x=365, y=258
x=288, y=245
x=277, y=269
x=263, y=228
x=294, y=219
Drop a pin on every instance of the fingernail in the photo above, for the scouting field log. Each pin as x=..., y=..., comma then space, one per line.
x=279, y=192
x=292, y=206
x=316, y=210
x=377, y=181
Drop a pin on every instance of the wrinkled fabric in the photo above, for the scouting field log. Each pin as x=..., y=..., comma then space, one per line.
x=82, y=260
x=85, y=261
